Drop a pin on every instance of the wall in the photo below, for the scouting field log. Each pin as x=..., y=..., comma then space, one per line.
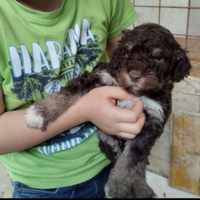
x=175, y=19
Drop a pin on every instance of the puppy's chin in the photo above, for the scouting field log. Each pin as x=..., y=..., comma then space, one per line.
x=136, y=91
x=141, y=92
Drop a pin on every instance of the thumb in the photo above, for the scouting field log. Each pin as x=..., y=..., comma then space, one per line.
x=138, y=107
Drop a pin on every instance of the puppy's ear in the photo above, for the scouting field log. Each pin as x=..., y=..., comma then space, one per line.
x=181, y=64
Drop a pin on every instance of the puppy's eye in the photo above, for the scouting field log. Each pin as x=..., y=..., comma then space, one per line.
x=158, y=58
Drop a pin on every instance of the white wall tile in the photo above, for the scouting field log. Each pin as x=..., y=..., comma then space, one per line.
x=195, y=3
x=174, y=3
x=174, y=19
x=146, y=15
x=194, y=22
x=147, y=2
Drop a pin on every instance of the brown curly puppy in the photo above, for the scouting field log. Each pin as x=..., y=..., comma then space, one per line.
x=146, y=63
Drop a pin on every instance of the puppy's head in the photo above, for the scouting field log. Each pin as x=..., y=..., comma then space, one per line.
x=148, y=59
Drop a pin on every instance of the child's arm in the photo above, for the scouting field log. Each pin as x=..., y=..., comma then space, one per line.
x=101, y=110
x=112, y=45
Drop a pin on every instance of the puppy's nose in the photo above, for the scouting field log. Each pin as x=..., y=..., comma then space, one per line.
x=135, y=75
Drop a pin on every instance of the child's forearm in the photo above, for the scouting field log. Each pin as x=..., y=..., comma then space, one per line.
x=16, y=136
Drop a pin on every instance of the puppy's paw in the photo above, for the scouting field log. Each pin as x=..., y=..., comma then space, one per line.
x=125, y=185
x=33, y=119
x=123, y=189
x=114, y=189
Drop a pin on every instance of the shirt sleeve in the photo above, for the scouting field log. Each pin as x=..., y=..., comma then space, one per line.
x=122, y=16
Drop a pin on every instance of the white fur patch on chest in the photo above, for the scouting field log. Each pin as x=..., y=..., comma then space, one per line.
x=107, y=78
x=153, y=108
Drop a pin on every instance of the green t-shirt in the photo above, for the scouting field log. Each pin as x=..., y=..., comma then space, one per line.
x=39, y=53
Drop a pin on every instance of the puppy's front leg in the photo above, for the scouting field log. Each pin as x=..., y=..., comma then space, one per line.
x=39, y=114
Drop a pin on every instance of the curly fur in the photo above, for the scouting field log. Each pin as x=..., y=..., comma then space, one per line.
x=146, y=63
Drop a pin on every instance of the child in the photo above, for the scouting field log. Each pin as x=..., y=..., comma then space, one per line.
x=45, y=44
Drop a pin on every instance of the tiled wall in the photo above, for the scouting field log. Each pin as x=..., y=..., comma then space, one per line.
x=175, y=19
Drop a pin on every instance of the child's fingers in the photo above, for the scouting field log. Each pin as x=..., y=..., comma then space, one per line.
x=130, y=131
x=129, y=115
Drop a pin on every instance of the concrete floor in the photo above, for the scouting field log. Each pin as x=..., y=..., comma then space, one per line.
x=160, y=186
x=158, y=183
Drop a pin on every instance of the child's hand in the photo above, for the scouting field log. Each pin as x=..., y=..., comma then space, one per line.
x=99, y=107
